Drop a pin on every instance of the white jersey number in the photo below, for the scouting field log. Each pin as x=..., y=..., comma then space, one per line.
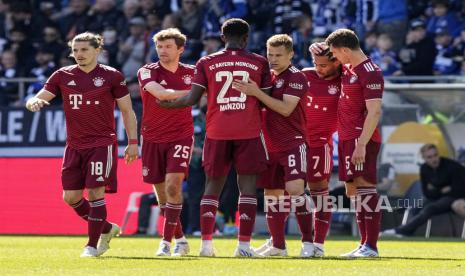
x=221, y=99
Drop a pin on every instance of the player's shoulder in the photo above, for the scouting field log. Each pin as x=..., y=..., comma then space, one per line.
x=67, y=69
x=212, y=56
x=187, y=67
x=256, y=56
x=150, y=66
x=368, y=69
x=108, y=68
x=295, y=74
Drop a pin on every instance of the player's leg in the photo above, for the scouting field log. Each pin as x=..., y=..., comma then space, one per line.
x=178, y=159
x=276, y=213
x=216, y=163
x=368, y=198
x=172, y=226
x=319, y=169
x=346, y=174
x=164, y=249
x=294, y=162
x=100, y=177
x=249, y=160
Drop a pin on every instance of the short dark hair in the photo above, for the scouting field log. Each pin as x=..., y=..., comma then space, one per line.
x=235, y=27
x=95, y=40
x=326, y=52
x=281, y=40
x=171, y=33
x=343, y=38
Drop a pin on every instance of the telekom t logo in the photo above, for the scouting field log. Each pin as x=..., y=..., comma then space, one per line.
x=75, y=100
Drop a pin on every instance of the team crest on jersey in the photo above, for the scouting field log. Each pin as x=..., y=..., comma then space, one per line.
x=98, y=81
x=145, y=171
x=187, y=79
x=353, y=79
x=279, y=83
x=333, y=89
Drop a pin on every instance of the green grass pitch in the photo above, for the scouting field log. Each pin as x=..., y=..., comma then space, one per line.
x=34, y=255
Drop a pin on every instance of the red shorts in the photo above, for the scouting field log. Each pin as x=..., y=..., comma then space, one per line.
x=348, y=171
x=320, y=163
x=285, y=166
x=158, y=159
x=249, y=156
x=90, y=168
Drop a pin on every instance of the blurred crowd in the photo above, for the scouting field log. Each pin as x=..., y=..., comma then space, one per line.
x=404, y=37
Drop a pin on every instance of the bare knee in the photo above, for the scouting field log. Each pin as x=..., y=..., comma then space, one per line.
x=173, y=187
x=318, y=186
x=96, y=193
x=458, y=206
x=72, y=196
x=295, y=187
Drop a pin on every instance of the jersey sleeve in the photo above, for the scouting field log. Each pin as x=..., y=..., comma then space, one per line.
x=145, y=75
x=372, y=85
x=200, y=76
x=266, y=76
x=297, y=85
x=52, y=85
x=119, y=88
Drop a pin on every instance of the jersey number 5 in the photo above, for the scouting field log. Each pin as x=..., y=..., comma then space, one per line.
x=221, y=99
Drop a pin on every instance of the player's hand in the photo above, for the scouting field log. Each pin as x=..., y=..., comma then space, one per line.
x=317, y=47
x=131, y=153
x=249, y=88
x=35, y=104
x=358, y=156
x=445, y=190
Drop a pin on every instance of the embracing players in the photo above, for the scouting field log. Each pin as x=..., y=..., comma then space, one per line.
x=233, y=130
x=285, y=135
x=359, y=111
x=321, y=110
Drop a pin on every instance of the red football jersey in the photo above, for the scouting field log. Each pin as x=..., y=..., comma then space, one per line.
x=359, y=84
x=89, y=103
x=232, y=115
x=283, y=133
x=321, y=108
x=161, y=125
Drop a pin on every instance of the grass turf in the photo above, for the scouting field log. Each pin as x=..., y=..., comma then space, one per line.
x=55, y=255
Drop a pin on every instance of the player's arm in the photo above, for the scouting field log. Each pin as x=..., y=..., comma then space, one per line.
x=40, y=100
x=130, y=124
x=371, y=122
x=190, y=99
x=163, y=94
x=284, y=107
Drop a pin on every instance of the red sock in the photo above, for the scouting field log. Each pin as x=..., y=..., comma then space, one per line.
x=178, y=233
x=208, y=208
x=172, y=212
x=303, y=214
x=322, y=216
x=96, y=220
x=82, y=208
x=276, y=224
x=247, y=208
x=372, y=216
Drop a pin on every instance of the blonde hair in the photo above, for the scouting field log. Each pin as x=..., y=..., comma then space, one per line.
x=281, y=40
